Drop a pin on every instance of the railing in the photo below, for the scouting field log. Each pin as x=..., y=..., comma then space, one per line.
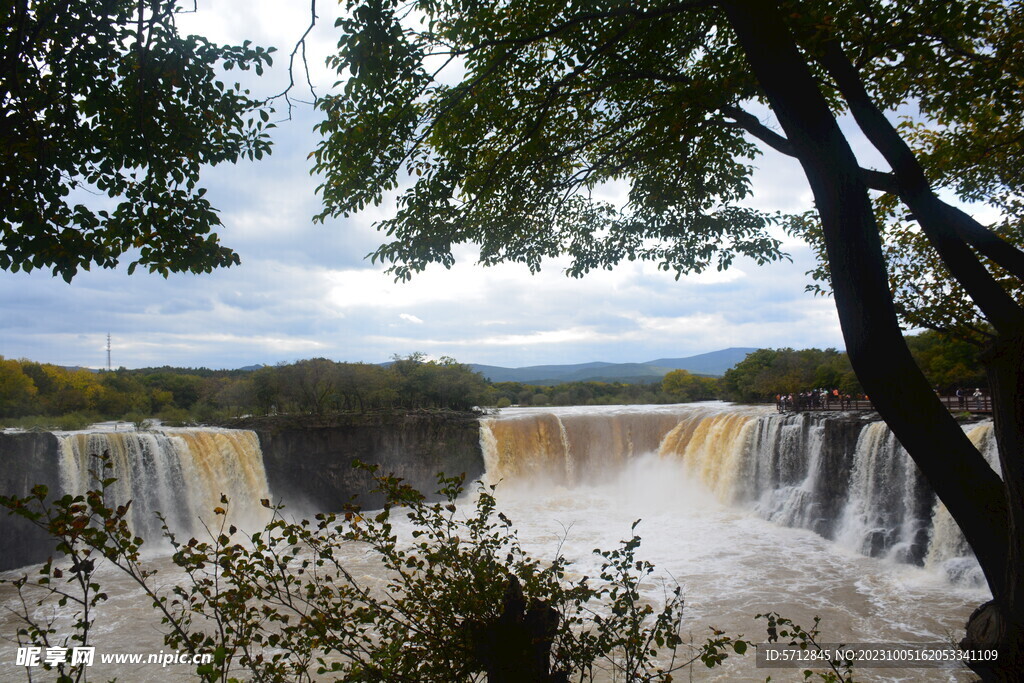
x=972, y=404
x=955, y=404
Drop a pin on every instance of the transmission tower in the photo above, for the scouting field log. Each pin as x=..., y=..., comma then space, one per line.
x=108, y=352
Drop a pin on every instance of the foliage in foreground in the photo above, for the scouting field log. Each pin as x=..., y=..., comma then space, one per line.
x=285, y=605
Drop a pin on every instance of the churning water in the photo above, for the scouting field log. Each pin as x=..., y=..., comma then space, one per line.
x=736, y=504
x=748, y=511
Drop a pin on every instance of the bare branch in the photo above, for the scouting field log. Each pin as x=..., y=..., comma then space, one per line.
x=298, y=51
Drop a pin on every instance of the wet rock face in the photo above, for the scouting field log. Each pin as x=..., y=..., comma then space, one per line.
x=801, y=469
x=844, y=477
x=26, y=460
x=309, y=461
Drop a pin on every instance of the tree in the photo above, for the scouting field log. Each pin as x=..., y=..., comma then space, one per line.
x=745, y=380
x=948, y=363
x=107, y=115
x=310, y=384
x=549, y=99
x=16, y=388
x=683, y=386
x=766, y=373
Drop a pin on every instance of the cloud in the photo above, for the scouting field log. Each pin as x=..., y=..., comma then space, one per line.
x=306, y=290
x=269, y=310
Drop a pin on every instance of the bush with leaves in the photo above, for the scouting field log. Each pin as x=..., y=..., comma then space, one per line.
x=284, y=603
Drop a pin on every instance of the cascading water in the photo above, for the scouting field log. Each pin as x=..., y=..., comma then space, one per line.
x=749, y=511
x=847, y=480
x=787, y=473
x=948, y=549
x=571, y=446
x=180, y=473
x=888, y=507
x=574, y=479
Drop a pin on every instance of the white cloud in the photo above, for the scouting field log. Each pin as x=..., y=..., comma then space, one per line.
x=305, y=290
x=552, y=337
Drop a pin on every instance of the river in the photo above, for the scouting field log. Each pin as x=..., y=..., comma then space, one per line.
x=576, y=479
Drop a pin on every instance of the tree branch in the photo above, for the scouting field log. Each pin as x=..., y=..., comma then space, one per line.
x=876, y=180
x=943, y=224
x=300, y=46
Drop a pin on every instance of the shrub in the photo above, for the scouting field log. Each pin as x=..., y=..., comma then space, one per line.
x=456, y=593
x=140, y=421
x=175, y=417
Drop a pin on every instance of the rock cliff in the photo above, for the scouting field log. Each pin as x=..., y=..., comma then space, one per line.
x=26, y=459
x=309, y=459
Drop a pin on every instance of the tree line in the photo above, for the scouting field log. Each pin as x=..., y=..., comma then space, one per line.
x=318, y=386
x=947, y=363
x=312, y=386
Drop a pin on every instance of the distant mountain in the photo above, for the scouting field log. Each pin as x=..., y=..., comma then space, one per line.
x=496, y=373
x=714, y=363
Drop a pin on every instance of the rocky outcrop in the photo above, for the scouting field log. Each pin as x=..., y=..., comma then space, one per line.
x=309, y=459
x=26, y=459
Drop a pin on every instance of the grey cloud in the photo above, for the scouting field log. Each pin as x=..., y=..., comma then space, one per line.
x=282, y=304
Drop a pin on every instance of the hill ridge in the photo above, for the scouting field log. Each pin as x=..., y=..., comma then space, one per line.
x=713, y=363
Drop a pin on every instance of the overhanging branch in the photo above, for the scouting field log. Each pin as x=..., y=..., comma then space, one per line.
x=876, y=180
x=945, y=226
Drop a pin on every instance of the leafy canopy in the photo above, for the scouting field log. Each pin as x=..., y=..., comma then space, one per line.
x=509, y=124
x=556, y=104
x=952, y=75
x=107, y=115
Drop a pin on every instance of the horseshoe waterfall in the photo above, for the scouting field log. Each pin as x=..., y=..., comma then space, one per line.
x=843, y=477
x=748, y=511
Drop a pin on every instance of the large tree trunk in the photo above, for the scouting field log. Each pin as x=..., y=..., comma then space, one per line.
x=973, y=493
x=1004, y=363
x=1001, y=621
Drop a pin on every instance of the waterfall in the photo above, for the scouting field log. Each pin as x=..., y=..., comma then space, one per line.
x=787, y=471
x=180, y=473
x=948, y=550
x=712, y=448
x=888, y=509
x=570, y=446
x=843, y=477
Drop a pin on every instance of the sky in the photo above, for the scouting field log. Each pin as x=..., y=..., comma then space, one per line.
x=305, y=290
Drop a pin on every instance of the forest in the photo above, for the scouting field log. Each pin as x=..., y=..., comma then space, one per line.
x=948, y=364
x=43, y=395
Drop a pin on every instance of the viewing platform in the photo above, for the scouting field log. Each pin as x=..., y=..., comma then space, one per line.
x=981, y=405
